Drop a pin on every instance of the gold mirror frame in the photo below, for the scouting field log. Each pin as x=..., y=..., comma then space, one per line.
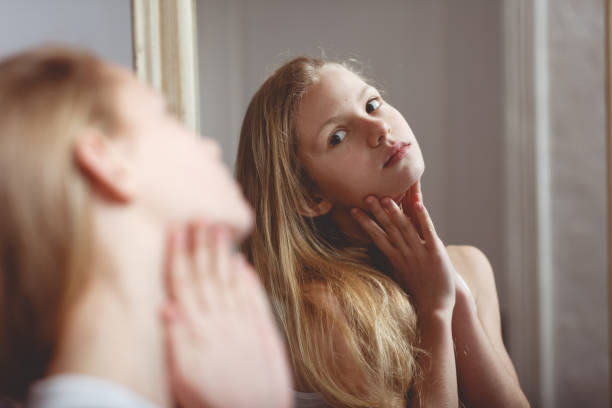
x=608, y=24
x=165, y=53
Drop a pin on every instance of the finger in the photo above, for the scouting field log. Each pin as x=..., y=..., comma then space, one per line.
x=180, y=275
x=259, y=310
x=417, y=195
x=171, y=318
x=223, y=277
x=241, y=290
x=266, y=326
x=380, y=238
x=414, y=195
x=221, y=255
x=404, y=224
x=405, y=203
x=169, y=279
x=202, y=265
x=254, y=305
x=253, y=289
x=387, y=223
x=409, y=198
x=177, y=344
x=429, y=231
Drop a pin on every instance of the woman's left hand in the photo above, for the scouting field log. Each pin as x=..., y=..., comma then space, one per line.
x=224, y=349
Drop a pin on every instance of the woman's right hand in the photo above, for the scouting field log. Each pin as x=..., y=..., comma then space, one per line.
x=420, y=261
x=423, y=268
x=224, y=349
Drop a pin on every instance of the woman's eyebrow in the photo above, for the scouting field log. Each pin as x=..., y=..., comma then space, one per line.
x=365, y=90
x=327, y=122
x=360, y=96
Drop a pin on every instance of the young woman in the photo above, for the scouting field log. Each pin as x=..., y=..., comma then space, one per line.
x=95, y=175
x=369, y=299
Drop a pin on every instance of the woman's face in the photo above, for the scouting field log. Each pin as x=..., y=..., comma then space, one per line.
x=178, y=175
x=353, y=143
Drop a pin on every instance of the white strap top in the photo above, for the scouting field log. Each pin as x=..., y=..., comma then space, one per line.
x=81, y=391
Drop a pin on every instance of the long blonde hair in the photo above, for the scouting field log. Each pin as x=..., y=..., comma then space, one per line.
x=47, y=96
x=295, y=255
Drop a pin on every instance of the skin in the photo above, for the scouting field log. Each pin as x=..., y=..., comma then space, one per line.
x=422, y=267
x=384, y=205
x=178, y=180
x=151, y=178
x=224, y=330
x=339, y=101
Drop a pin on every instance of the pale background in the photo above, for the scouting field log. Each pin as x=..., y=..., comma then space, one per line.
x=101, y=26
x=578, y=180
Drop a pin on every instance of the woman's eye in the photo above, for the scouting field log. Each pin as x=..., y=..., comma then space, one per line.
x=372, y=105
x=337, y=137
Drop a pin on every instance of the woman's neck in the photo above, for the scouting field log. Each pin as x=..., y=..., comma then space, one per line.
x=114, y=331
x=351, y=230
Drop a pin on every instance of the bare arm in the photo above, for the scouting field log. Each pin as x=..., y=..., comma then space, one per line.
x=437, y=387
x=423, y=268
x=485, y=372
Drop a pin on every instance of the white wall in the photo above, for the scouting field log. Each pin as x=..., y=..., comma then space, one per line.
x=101, y=26
x=578, y=196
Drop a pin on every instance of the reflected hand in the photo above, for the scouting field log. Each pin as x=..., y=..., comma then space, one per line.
x=224, y=349
x=421, y=264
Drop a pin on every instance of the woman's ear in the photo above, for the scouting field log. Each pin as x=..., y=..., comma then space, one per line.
x=103, y=165
x=315, y=206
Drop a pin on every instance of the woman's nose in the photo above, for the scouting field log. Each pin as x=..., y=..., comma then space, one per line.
x=377, y=131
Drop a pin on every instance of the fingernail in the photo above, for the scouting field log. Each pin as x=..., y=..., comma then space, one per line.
x=386, y=202
x=354, y=212
x=369, y=200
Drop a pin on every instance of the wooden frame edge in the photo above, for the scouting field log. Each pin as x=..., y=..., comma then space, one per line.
x=522, y=286
x=608, y=81
x=164, y=38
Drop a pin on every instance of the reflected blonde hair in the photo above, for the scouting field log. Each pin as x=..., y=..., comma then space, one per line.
x=47, y=97
x=321, y=288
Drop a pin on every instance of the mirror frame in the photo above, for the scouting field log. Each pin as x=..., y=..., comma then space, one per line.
x=164, y=35
x=608, y=41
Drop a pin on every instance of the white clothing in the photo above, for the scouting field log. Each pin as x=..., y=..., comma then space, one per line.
x=82, y=391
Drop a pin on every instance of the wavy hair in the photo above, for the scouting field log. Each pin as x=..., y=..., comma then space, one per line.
x=322, y=289
x=47, y=97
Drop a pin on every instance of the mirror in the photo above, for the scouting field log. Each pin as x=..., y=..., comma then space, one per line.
x=507, y=101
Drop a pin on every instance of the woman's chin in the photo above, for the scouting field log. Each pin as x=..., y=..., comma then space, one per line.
x=412, y=175
x=398, y=198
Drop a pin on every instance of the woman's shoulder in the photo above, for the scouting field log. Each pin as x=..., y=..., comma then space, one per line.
x=474, y=267
x=467, y=255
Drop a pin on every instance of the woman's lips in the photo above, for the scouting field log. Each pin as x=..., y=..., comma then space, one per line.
x=396, y=154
